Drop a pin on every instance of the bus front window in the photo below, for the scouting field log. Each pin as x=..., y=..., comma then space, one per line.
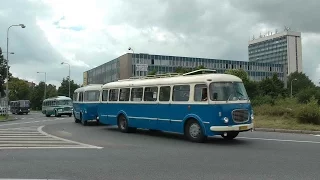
x=227, y=91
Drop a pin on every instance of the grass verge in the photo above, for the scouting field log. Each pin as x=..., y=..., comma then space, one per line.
x=274, y=122
x=2, y=118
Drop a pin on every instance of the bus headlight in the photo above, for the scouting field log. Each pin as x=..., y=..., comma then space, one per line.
x=252, y=116
x=225, y=120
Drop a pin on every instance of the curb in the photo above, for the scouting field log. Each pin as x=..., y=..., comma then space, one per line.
x=287, y=131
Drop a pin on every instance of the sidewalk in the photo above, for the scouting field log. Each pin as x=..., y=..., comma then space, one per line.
x=286, y=131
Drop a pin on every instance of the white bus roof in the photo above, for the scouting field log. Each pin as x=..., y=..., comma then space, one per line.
x=89, y=87
x=201, y=78
x=58, y=98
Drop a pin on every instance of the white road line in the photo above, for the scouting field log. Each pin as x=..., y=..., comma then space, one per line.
x=62, y=139
x=317, y=135
x=9, y=124
x=281, y=140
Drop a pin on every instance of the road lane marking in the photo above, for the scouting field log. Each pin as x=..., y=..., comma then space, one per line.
x=30, y=122
x=36, y=138
x=56, y=137
x=317, y=135
x=280, y=140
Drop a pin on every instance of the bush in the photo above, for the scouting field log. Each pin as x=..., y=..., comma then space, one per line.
x=280, y=107
x=310, y=112
x=261, y=100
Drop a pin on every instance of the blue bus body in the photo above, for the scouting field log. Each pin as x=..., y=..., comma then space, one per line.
x=226, y=112
x=86, y=103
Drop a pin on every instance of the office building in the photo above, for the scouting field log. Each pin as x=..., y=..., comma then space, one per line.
x=129, y=65
x=279, y=48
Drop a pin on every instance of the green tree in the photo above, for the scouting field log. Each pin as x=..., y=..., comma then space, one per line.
x=3, y=73
x=182, y=70
x=19, y=89
x=242, y=74
x=63, y=90
x=200, y=67
x=273, y=87
x=153, y=72
x=37, y=94
x=302, y=82
x=51, y=91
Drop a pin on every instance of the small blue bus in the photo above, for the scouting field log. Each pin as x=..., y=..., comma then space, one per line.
x=193, y=104
x=85, y=103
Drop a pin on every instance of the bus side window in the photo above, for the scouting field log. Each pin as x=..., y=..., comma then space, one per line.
x=164, y=94
x=113, y=95
x=200, y=92
x=181, y=93
x=150, y=94
x=124, y=94
x=81, y=96
x=105, y=95
x=136, y=94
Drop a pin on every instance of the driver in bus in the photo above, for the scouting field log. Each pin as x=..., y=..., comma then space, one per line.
x=204, y=94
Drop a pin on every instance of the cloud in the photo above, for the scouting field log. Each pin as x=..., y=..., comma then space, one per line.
x=89, y=33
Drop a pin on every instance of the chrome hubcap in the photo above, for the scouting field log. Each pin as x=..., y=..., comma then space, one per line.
x=194, y=130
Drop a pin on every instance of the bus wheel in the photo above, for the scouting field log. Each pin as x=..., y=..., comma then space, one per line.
x=123, y=125
x=230, y=135
x=83, y=122
x=194, y=131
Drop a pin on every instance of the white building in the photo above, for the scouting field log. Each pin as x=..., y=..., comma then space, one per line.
x=279, y=48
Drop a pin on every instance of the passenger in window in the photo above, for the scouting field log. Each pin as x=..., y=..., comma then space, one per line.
x=204, y=94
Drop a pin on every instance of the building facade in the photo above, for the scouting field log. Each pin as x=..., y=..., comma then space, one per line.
x=280, y=48
x=129, y=65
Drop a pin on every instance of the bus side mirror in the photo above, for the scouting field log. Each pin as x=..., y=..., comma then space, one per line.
x=215, y=96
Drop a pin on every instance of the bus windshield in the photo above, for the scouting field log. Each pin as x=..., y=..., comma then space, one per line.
x=65, y=102
x=24, y=103
x=228, y=91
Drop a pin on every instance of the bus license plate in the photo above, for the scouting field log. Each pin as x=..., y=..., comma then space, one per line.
x=243, y=128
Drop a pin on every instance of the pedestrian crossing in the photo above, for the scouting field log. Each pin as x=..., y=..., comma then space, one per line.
x=35, y=138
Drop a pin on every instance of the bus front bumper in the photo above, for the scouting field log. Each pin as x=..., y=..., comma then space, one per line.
x=240, y=127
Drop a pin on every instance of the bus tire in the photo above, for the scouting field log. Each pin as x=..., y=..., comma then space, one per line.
x=83, y=122
x=193, y=131
x=123, y=125
x=230, y=135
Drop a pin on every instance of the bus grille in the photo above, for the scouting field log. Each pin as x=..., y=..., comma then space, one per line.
x=240, y=115
x=67, y=109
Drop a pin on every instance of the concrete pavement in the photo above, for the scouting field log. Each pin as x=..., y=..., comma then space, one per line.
x=148, y=155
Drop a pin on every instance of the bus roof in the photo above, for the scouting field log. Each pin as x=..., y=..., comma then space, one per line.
x=89, y=87
x=58, y=98
x=200, y=78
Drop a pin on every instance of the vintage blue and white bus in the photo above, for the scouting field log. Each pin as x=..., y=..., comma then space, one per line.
x=85, y=103
x=197, y=106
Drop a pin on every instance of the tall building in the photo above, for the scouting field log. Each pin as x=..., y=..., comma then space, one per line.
x=129, y=65
x=279, y=48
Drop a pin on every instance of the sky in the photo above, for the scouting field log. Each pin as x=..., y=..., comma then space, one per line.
x=87, y=33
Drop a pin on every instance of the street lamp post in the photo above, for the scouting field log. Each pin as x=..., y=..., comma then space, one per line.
x=45, y=84
x=136, y=72
x=291, y=85
x=69, y=76
x=7, y=84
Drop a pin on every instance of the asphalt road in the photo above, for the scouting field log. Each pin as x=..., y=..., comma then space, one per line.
x=102, y=152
